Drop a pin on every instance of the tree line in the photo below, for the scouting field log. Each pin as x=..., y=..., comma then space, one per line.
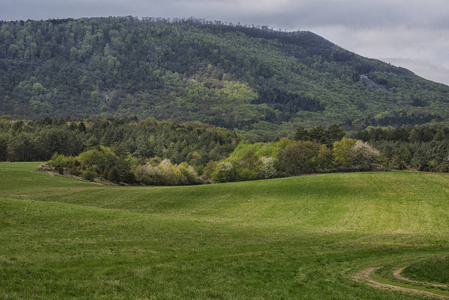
x=319, y=150
x=150, y=152
x=423, y=148
x=192, y=142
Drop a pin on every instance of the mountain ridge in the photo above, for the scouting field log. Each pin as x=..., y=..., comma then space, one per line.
x=253, y=79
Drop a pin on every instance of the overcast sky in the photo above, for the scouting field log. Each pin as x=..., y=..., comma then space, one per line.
x=410, y=33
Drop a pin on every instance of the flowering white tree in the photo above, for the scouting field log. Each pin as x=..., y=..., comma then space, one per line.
x=167, y=173
x=268, y=167
x=364, y=155
x=224, y=172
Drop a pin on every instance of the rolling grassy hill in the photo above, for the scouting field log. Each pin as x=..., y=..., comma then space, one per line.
x=300, y=237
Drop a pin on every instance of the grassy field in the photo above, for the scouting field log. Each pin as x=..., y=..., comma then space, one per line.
x=293, y=238
x=429, y=270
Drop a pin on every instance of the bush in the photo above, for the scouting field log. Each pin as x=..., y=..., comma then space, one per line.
x=167, y=173
x=124, y=171
x=299, y=158
x=268, y=168
x=244, y=174
x=363, y=155
x=324, y=159
x=149, y=175
x=188, y=173
x=89, y=175
x=397, y=163
x=100, y=157
x=113, y=175
x=59, y=161
x=224, y=172
x=209, y=169
x=60, y=170
x=75, y=171
x=342, y=152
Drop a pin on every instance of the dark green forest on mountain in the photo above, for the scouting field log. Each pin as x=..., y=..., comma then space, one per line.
x=261, y=82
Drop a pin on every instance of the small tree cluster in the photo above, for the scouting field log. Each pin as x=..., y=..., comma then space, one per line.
x=166, y=173
x=299, y=158
x=62, y=163
x=353, y=155
x=99, y=162
x=249, y=166
x=290, y=158
x=286, y=157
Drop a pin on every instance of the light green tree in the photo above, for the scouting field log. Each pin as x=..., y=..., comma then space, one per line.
x=342, y=152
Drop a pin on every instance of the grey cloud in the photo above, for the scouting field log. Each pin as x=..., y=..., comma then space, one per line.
x=49, y=9
x=288, y=14
x=437, y=73
x=421, y=50
x=351, y=13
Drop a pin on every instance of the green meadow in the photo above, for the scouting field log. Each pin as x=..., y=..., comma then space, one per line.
x=292, y=238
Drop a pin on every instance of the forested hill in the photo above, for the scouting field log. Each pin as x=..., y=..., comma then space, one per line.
x=251, y=78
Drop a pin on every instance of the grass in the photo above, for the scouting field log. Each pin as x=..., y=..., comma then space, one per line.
x=293, y=238
x=435, y=270
x=386, y=278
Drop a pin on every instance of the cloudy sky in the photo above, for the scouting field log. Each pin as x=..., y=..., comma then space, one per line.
x=410, y=33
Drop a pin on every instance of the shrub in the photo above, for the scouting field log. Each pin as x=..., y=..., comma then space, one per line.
x=342, y=152
x=100, y=156
x=443, y=167
x=124, y=171
x=189, y=175
x=363, y=155
x=89, y=175
x=113, y=175
x=60, y=170
x=209, y=169
x=61, y=161
x=244, y=174
x=268, y=168
x=167, y=173
x=299, y=158
x=224, y=172
x=324, y=158
x=75, y=171
x=149, y=175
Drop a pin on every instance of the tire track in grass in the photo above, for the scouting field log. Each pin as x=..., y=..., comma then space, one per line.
x=365, y=276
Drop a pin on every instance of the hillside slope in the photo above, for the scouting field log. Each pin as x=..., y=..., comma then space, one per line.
x=299, y=237
x=226, y=75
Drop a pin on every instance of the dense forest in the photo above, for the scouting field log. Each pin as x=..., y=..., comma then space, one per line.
x=170, y=153
x=259, y=81
x=135, y=151
x=423, y=148
x=192, y=142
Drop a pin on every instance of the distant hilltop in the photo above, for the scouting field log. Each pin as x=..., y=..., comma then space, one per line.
x=255, y=79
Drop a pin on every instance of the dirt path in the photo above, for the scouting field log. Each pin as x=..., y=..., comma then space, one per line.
x=397, y=274
x=365, y=277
